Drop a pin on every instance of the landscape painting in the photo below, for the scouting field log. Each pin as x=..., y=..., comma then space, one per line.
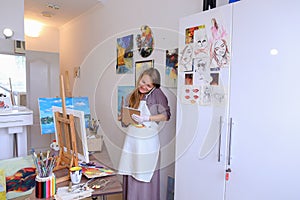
x=46, y=113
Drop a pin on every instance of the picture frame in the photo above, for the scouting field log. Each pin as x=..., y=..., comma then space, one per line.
x=80, y=128
x=141, y=66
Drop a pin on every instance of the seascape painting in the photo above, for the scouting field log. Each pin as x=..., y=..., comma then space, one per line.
x=46, y=114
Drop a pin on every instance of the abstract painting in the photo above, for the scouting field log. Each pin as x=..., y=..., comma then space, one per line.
x=171, y=67
x=124, y=55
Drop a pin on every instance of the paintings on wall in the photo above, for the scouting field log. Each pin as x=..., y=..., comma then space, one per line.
x=144, y=45
x=46, y=113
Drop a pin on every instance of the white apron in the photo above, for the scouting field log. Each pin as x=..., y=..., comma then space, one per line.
x=141, y=149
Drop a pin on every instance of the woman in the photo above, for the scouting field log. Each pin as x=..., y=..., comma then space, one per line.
x=140, y=156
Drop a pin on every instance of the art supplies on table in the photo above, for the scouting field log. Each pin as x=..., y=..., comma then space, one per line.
x=44, y=165
x=92, y=170
x=76, y=192
x=98, y=183
x=45, y=187
x=45, y=181
x=75, y=174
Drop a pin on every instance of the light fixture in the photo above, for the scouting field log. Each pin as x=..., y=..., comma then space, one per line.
x=8, y=33
x=32, y=28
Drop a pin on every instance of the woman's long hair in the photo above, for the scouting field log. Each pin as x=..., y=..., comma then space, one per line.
x=135, y=97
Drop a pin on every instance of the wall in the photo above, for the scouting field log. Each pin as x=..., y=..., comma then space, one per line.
x=12, y=16
x=48, y=41
x=89, y=41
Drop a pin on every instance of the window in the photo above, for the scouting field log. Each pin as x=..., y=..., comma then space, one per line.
x=13, y=68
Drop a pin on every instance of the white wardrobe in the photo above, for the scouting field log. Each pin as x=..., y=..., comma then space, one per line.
x=253, y=136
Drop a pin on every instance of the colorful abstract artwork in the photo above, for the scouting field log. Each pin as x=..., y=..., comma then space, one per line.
x=124, y=55
x=145, y=41
x=171, y=67
x=19, y=176
x=46, y=113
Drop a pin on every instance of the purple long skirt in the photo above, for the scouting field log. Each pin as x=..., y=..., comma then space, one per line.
x=138, y=190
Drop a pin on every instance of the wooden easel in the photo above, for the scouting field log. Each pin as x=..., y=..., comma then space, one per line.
x=68, y=155
x=68, y=90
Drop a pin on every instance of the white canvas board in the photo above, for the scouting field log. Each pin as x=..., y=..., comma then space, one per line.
x=81, y=137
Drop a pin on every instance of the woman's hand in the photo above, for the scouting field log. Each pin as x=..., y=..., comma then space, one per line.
x=140, y=119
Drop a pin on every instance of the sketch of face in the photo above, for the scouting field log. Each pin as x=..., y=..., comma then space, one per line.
x=220, y=48
x=187, y=55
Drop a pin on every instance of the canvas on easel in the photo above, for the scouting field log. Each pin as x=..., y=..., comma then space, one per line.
x=80, y=130
x=65, y=127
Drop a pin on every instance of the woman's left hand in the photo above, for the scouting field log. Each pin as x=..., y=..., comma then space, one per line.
x=140, y=119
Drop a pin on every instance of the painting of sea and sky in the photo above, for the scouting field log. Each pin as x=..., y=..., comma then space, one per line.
x=46, y=113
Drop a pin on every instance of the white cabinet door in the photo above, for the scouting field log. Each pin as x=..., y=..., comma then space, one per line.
x=201, y=121
x=264, y=101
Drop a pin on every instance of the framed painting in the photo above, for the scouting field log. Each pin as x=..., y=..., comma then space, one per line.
x=80, y=132
x=141, y=66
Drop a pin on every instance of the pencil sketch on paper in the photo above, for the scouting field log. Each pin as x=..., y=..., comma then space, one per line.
x=186, y=58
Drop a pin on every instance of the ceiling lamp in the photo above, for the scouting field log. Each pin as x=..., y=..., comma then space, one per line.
x=32, y=28
x=8, y=33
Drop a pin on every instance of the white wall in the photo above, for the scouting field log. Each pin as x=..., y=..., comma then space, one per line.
x=48, y=41
x=12, y=16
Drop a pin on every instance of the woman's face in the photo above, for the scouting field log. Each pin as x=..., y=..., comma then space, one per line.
x=145, y=84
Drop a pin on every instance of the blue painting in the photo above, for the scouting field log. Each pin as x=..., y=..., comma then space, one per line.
x=123, y=91
x=46, y=114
